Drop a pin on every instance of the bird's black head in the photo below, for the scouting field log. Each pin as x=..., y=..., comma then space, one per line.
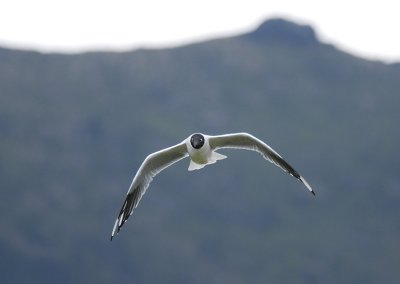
x=197, y=141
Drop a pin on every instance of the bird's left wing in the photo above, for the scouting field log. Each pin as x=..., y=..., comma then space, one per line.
x=151, y=166
x=249, y=142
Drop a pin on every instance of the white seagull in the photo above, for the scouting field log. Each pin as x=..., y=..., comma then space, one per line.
x=201, y=150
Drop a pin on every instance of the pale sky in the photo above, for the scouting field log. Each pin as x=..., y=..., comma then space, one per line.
x=366, y=28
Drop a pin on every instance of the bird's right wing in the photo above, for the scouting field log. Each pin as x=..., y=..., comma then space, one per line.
x=249, y=142
x=151, y=166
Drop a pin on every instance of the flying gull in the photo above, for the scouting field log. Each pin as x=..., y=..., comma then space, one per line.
x=201, y=150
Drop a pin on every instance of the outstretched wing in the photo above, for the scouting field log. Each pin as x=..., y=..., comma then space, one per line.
x=151, y=166
x=249, y=142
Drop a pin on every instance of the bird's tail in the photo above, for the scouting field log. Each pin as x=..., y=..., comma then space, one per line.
x=216, y=157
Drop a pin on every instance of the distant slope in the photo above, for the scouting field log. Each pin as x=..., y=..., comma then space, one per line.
x=75, y=128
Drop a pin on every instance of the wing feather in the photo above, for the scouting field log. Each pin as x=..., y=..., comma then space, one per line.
x=249, y=142
x=151, y=166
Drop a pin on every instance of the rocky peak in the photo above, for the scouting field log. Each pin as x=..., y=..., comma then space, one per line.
x=280, y=30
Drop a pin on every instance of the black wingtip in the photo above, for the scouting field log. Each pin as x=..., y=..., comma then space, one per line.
x=313, y=192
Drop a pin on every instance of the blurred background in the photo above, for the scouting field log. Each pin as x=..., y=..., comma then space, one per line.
x=77, y=121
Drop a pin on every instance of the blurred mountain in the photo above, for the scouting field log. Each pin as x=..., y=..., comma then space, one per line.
x=75, y=128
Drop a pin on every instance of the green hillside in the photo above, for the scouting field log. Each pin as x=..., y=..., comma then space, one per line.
x=75, y=128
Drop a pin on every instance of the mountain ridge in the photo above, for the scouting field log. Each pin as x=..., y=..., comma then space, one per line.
x=273, y=29
x=278, y=29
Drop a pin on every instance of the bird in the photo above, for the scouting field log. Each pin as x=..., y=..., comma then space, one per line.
x=201, y=149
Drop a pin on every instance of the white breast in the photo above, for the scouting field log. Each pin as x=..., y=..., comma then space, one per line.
x=199, y=156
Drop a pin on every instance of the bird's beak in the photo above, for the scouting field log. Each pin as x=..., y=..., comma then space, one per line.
x=196, y=143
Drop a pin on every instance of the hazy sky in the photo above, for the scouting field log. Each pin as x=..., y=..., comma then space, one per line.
x=367, y=28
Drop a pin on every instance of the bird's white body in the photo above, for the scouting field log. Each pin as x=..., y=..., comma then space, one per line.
x=199, y=158
x=201, y=150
